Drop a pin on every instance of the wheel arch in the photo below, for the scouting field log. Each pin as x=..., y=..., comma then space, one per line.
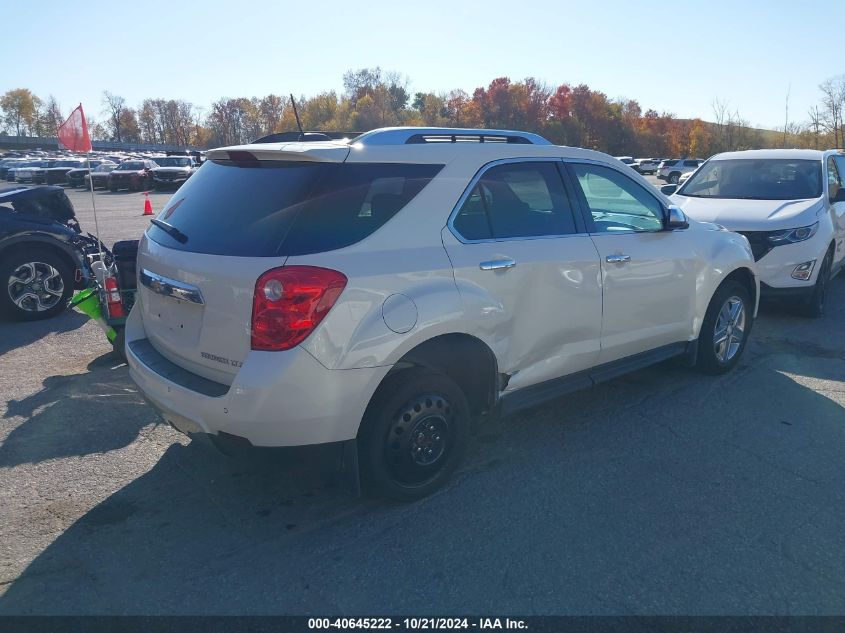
x=26, y=244
x=466, y=359
x=747, y=279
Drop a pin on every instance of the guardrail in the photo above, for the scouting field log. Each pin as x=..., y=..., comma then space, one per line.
x=40, y=142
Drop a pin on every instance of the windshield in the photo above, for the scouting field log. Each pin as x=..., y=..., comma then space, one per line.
x=67, y=163
x=131, y=166
x=756, y=179
x=173, y=161
x=105, y=167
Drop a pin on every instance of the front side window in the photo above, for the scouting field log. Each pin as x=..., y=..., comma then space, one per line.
x=616, y=203
x=756, y=179
x=513, y=200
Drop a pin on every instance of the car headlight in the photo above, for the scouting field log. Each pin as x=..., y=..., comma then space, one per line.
x=790, y=236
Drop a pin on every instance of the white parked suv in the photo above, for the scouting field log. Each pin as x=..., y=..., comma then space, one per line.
x=383, y=291
x=790, y=204
x=672, y=170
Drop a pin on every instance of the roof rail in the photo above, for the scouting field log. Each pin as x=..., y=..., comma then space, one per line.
x=418, y=135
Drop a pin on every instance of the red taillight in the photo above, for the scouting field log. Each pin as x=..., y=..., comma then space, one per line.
x=113, y=301
x=290, y=302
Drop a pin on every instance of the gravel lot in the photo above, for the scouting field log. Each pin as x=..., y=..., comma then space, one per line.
x=663, y=492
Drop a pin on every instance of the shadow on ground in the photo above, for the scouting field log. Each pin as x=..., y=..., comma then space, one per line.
x=17, y=334
x=662, y=492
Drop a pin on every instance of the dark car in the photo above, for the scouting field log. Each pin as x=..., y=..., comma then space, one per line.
x=42, y=252
x=100, y=175
x=132, y=174
x=9, y=163
x=56, y=172
x=76, y=177
x=173, y=171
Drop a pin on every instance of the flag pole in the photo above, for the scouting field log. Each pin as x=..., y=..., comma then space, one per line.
x=94, y=205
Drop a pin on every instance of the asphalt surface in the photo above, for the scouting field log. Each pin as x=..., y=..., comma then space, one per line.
x=663, y=492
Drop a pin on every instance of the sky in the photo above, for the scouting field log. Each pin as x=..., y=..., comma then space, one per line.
x=671, y=55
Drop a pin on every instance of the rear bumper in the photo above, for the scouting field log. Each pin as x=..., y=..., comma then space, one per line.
x=277, y=398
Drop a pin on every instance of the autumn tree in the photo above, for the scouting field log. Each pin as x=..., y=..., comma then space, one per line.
x=20, y=110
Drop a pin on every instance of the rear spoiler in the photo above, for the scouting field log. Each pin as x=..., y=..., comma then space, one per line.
x=328, y=152
x=306, y=137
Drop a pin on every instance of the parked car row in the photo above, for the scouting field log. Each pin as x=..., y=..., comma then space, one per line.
x=130, y=173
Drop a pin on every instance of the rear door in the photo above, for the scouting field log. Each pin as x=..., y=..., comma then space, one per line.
x=648, y=274
x=528, y=274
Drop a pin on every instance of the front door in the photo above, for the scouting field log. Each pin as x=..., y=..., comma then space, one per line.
x=648, y=273
x=526, y=273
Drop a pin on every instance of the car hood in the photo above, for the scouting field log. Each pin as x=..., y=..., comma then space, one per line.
x=47, y=202
x=172, y=170
x=127, y=172
x=750, y=215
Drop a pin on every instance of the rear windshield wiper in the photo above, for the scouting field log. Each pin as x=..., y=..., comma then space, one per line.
x=171, y=230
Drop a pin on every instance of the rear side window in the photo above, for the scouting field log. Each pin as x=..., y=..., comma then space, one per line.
x=524, y=199
x=278, y=208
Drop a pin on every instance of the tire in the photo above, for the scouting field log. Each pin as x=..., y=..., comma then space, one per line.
x=413, y=435
x=674, y=177
x=23, y=302
x=713, y=358
x=814, y=307
x=113, y=188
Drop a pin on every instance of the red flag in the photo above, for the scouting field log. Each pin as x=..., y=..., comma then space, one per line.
x=73, y=133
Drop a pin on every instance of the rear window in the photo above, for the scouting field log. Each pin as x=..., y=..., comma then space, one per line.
x=279, y=208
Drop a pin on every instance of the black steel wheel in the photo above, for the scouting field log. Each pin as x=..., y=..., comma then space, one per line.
x=413, y=435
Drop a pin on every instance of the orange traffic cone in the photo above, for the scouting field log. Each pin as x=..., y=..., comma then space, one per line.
x=148, y=206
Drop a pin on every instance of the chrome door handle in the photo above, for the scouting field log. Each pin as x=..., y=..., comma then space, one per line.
x=497, y=264
x=617, y=259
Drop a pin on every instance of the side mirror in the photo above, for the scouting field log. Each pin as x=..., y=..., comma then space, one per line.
x=676, y=219
x=668, y=190
x=839, y=197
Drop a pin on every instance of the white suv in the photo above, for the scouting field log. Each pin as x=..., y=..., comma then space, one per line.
x=672, y=170
x=790, y=204
x=382, y=291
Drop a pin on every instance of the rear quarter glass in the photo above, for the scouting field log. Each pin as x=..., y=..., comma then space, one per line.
x=281, y=208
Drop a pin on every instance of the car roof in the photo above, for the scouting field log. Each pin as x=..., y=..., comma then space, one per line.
x=422, y=145
x=750, y=154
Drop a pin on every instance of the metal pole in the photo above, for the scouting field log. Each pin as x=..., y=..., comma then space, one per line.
x=94, y=205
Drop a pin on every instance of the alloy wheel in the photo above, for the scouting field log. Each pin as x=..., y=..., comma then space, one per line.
x=35, y=287
x=730, y=329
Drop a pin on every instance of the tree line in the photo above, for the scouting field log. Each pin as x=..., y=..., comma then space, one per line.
x=371, y=98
